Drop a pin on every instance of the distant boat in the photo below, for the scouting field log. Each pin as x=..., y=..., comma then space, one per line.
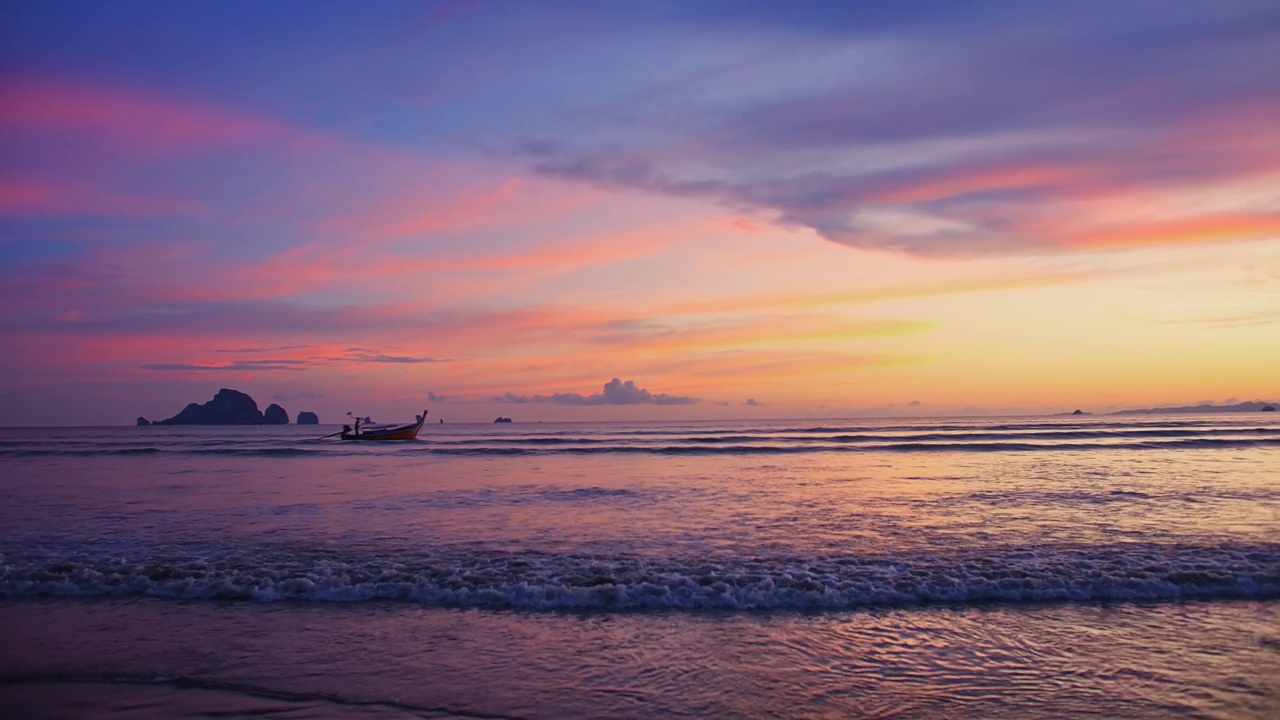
x=503, y=420
x=384, y=432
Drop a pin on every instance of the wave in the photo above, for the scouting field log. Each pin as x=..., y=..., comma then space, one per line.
x=843, y=438
x=932, y=425
x=732, y=446
x=762, y=449
x=531, y=581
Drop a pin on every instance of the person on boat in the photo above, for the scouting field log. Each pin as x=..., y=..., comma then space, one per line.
x=346, y=429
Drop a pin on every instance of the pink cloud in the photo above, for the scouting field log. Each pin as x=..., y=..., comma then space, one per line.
x=21, y=198
x=451, y=198
x=143, y=122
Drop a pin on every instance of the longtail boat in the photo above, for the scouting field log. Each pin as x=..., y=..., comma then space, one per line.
x=384, y=432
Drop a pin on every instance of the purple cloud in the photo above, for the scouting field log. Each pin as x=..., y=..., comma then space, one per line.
x=961, y=131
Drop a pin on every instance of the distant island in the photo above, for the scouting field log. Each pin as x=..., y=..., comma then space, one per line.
x=232, y=407
x=503, y=420
x=1244, y=407
x=275, y=415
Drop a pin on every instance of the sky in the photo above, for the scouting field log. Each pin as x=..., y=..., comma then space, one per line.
x=637, y=210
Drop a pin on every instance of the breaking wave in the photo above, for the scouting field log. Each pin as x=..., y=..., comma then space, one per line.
x=532, y=581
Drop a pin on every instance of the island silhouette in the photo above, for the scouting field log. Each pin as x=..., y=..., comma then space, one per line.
x=232, y=407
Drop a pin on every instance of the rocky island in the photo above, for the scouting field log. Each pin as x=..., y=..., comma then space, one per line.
x=228, y=407
x=275, y=415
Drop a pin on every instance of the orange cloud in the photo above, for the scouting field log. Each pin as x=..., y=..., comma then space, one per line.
x=1200, y=229
x=798, y=300
x=759, y=331
x=985, y=180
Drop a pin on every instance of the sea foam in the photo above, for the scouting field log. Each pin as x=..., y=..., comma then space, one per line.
x=536, y=581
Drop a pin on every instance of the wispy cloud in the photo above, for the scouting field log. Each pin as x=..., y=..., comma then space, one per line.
x=362, y=355
x=1239, y=320
x=349, y=356
x=130, y=120
x=237, y=366
x=259, y=349
x=21, y=198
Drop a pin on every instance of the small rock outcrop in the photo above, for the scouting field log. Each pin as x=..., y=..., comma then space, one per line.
x=275, y=415
x=1078, y=412
x=142, y=422
x=308, y=418
x=228, y=407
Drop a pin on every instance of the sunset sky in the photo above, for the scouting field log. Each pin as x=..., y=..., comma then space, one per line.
x=737, y=209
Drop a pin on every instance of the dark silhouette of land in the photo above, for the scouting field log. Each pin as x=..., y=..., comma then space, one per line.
x=232, y=407
x=1244, y=407
x=228, y=407
x=275, y=415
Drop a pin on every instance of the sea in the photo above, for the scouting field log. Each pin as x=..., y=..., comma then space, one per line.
x=1023, y=567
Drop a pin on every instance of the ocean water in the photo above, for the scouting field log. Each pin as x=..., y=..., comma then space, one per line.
x=961, y=568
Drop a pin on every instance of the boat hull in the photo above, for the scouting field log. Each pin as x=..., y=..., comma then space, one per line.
x=402, y=432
